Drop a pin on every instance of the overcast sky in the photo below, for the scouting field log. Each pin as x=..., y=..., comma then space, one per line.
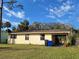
x=63, y=11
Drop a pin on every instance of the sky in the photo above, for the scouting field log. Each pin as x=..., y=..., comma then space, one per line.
x=45, y=11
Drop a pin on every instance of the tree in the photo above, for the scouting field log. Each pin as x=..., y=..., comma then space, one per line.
x=23, y=26
x=13, y=28
x=36, y=25
x=7, y=25
x=49, y=26
x=25, y=23
x=10, y=5
x=60, y=26
x=8, y=30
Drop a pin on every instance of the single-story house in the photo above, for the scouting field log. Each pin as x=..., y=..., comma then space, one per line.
x=38, y=37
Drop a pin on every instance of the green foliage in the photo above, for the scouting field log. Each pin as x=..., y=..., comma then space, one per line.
x=23, y=26
x=72, y=37
x=13, y=28
x=49, y=26
x=7, y=24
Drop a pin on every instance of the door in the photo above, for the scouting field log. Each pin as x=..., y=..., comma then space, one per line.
x=57, y=40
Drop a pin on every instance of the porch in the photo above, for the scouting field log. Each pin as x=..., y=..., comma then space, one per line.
x=58, y=40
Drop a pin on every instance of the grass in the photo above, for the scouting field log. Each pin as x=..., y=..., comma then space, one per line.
x=37, y=52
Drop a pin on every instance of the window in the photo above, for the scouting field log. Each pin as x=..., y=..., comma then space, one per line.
x=26, y=37
x=42, y=37
x=13, y=36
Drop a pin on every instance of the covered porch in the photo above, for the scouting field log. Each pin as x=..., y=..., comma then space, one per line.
x=60, y=39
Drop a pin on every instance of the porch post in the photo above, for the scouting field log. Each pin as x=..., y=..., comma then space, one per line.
x=67, y=41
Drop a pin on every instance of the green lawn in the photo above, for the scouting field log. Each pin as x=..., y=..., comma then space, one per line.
x=37, y=52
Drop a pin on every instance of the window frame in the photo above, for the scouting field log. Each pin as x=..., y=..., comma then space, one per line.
x=13, y=36
x=26, y=36
x=42, y=36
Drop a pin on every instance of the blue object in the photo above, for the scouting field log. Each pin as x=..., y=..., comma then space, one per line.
x=50, y=43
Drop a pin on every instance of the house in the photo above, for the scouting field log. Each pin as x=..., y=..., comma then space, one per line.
x=38, y=37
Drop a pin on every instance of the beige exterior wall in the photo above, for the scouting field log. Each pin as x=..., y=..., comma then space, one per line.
x=33, y=39
x=9, y=40
x=48, y=37
x=20, y=39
